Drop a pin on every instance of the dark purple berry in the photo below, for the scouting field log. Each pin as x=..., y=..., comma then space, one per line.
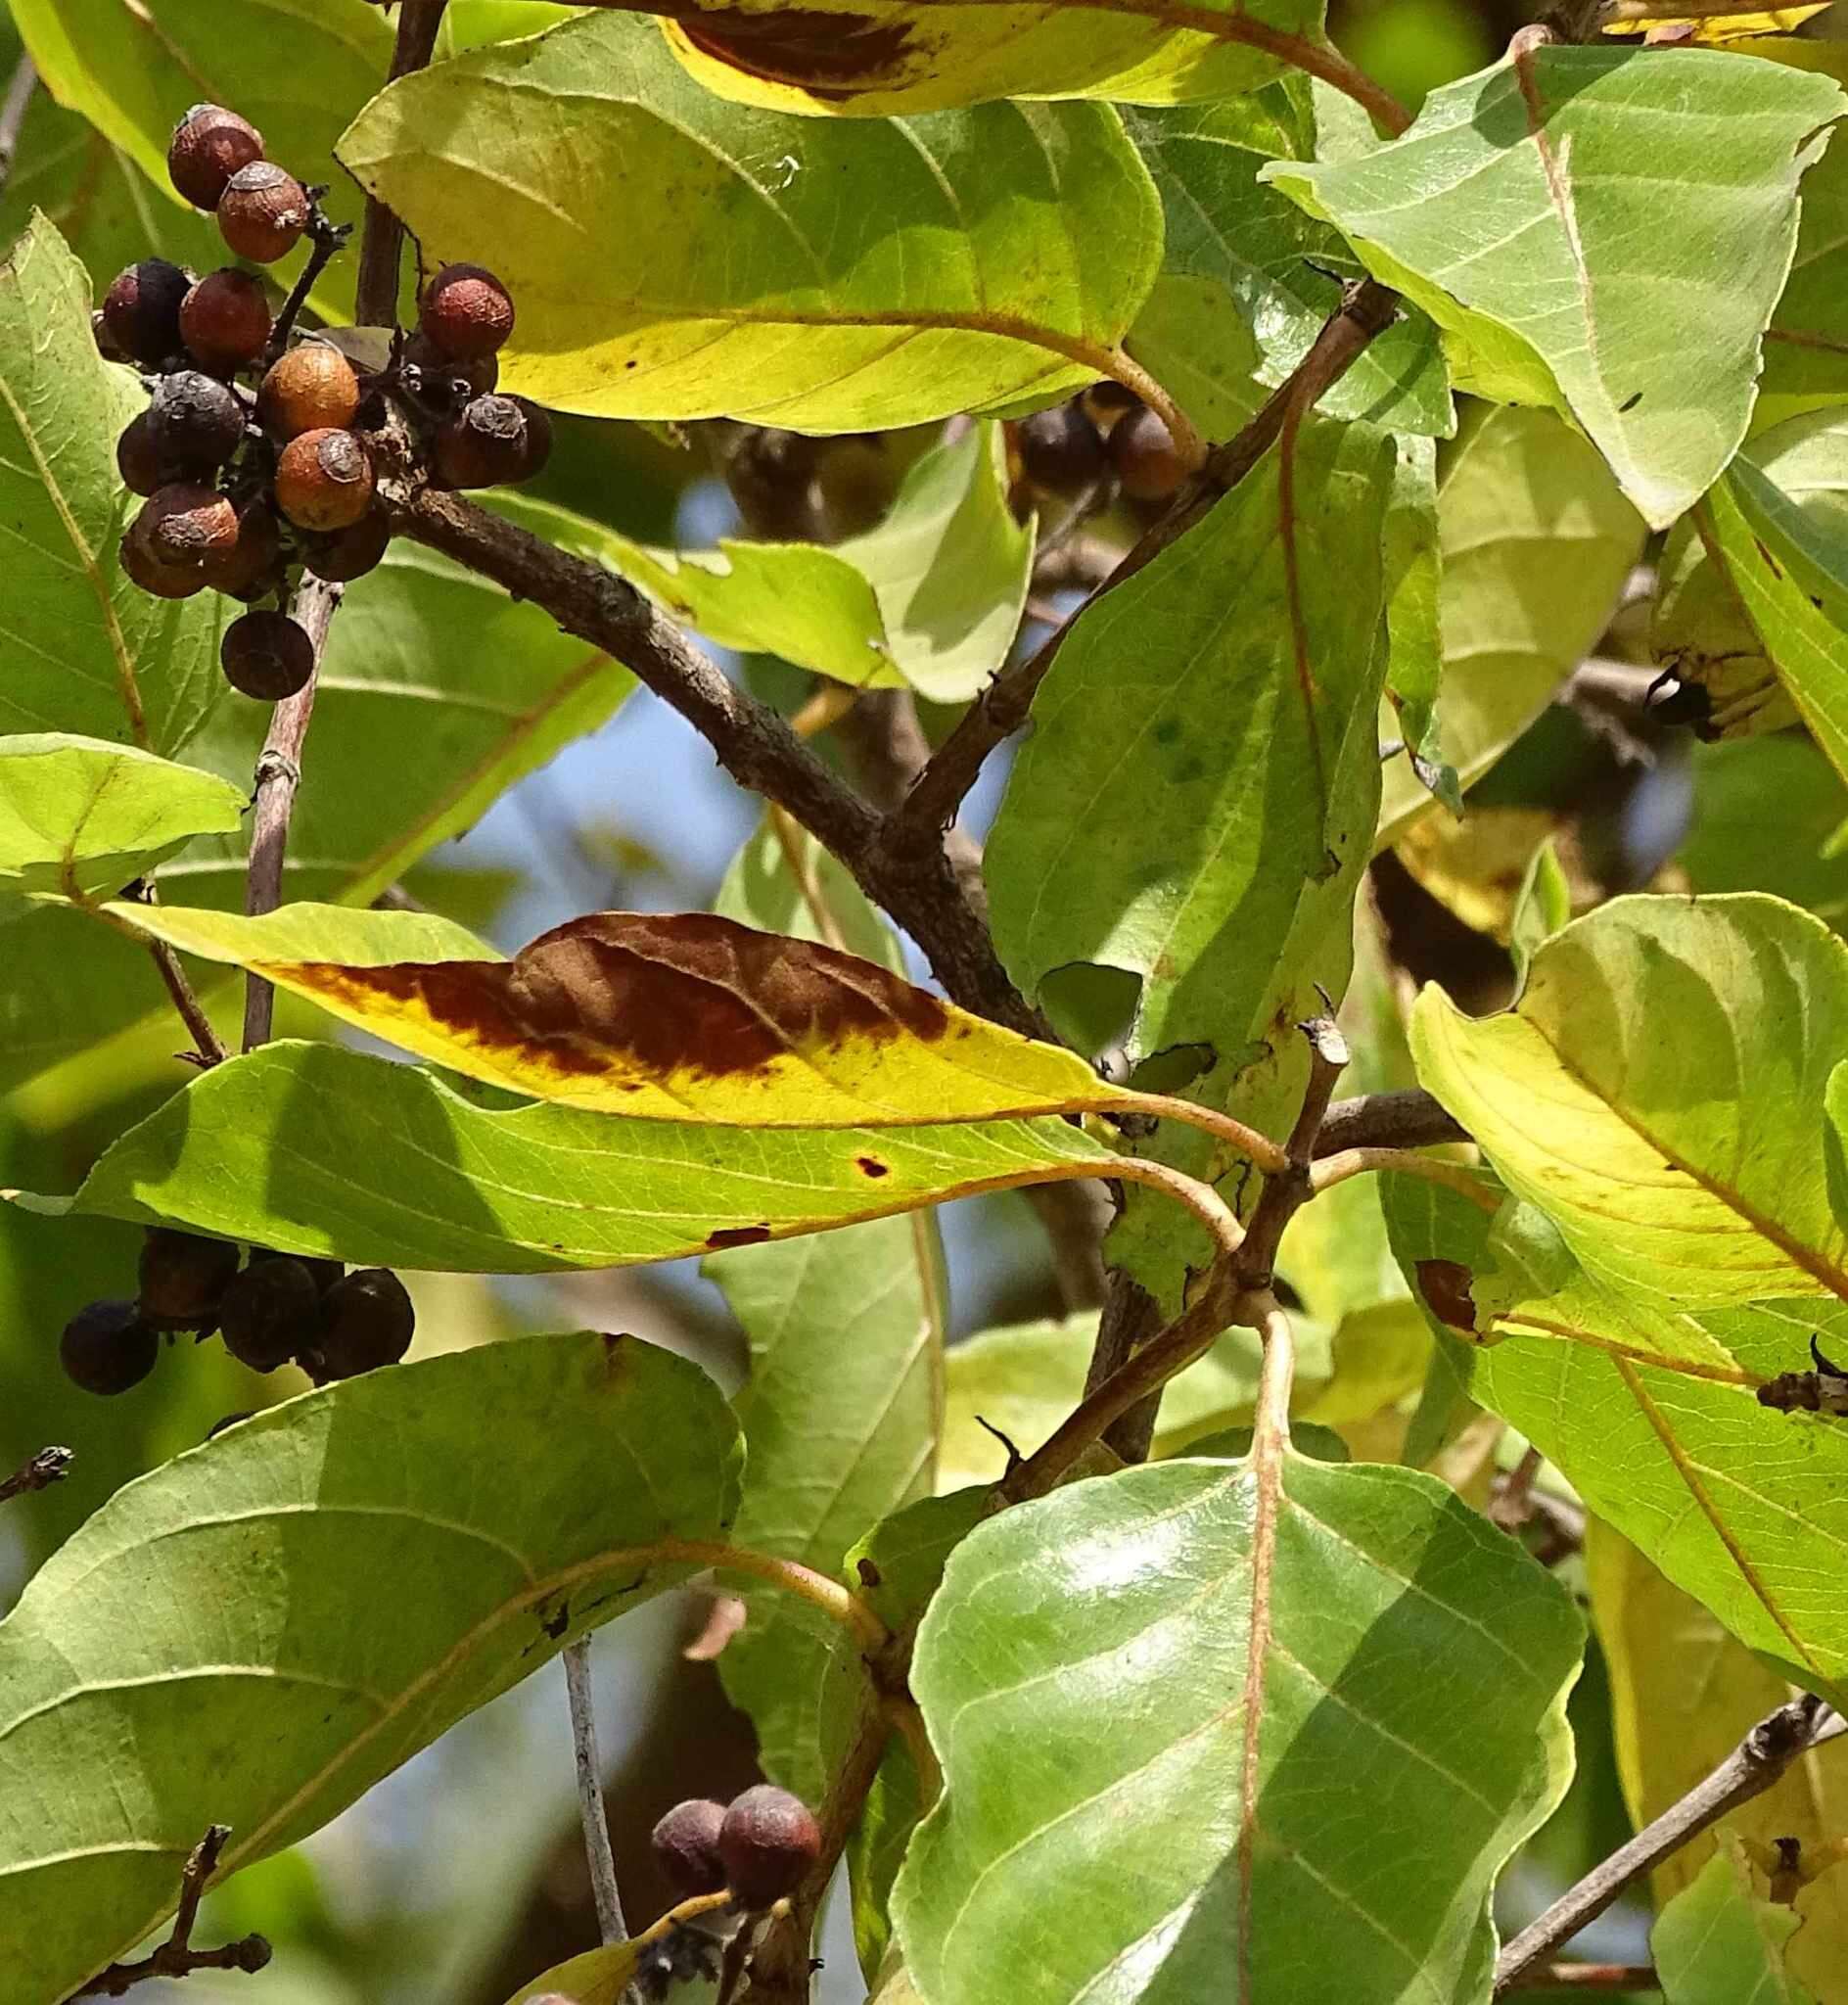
x=106, y=1347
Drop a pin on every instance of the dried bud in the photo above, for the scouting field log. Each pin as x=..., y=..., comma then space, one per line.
x=310, y=388
x=263, y=212
x=209, y=146
x=465, y=312
x=324, y=479
x=225, y=321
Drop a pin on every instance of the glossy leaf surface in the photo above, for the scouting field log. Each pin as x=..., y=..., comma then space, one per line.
x=498, y=1501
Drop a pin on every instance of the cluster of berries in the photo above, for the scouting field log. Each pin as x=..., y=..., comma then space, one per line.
x=757, y=1848
x=277, y=1310
x=1105, y=436
x=254, y=455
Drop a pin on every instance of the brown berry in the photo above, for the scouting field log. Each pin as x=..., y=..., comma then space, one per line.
x=185, y=523
x=183, y=1276
x=209, y=146
x=106, y=1347
x=107, y=346
x=141, y=310
x=446, y=379
x=194, y=422
x=324, y=479
x=138, y=458
x=345, y=554
x=1143, y=451
x=465, y=312
x=266, y=654
x=312, y=386
x=367, y=1322
x=1060, y=450
x=225, y=321
x=767, y=1842
x=263, y=212
x=323, y=1273
x=159, y=581
x=1106, y=400
x=254, y=563
x=271, y=1310
x=489, y=441
x=687, y=1846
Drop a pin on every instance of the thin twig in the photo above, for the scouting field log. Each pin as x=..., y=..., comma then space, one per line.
x=383, y=242
x=209, y=1047
x=325, y=238
x=1592, y=1976
x=14, y=107
x=611, y=1925
x=1412, y=1119
x=1366, y=310
x=1331, y=1170
x=1753, y=1766
x=176, y=1957
x=1510, y=1501
x=49, y=1465
x=278, y=776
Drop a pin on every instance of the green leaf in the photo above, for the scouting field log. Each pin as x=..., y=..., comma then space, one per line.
x=1253, y=245
x=1535, y=542
x=78, y=818
x=1144, y=1706
x=1721, y=1942
x=1683, y=1693
x=98, y=198
x=1523, y=211
x=310, y=1148
x=892, y=56
x=1542, y=908
x=675, y=257
x=930, y=601
x=1415, y=572
x=1658, y=1093
x=297, y=69
x=1763, y=812
x=1805, y=345
x=841, y=1411
x=319, y=1592
x=600, y=1976
x=68, y=984
x=677, y=1016
x=82, y=649
x=1647, y=1409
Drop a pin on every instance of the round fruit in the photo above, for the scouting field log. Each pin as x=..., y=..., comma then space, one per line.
x=106, y=1347
x=310, y=388
x=323, y=1273
x=185, y=523
x=107, y=345
x=224, y=320
x=767, y=1842
x=138, y=458
x=349, y=553
x=269, y=1312
x=324, y=479
x=195, y=421
x=492, y=439
x=141, y=310
x=159, y=581
x=368, y=1322
x=252, y=564
x=266, y=654
x=209, y=146
x=465, y=314
x=1060, y=450
x=1106, y=400
x=854, y=485
x=263, y=212
x=687, y=1846
x=1143, y=451
x=446, y=376
x=182, y=1277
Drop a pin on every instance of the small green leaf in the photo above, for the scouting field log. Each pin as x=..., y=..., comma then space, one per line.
x=1415, y=575
x=313, y=1149
x=1658, y=1093
x=82, y=649
x=1258, y=249
x=930, y=601
x=78, y=817
x=1542, y=906
x=1721, y=1942
x=319, y=1592
x=1523, y=211
x=674, y=255
x=1535, y=542
x=1144, y=1710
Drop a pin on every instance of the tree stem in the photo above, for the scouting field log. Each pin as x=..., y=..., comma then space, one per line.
x=611, y=1925
x=383, y=242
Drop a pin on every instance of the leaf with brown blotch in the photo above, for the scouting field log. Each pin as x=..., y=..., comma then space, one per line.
x=661, y=1017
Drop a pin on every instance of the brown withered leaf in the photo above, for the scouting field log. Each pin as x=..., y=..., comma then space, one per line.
x=680, y=1017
